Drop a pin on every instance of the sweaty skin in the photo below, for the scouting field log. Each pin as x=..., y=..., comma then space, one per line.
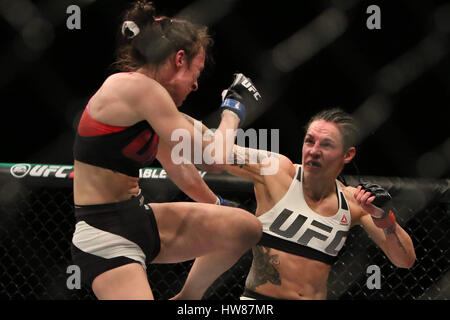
x=278, y=274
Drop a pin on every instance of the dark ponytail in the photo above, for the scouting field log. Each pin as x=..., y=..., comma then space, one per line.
x=145, y=38
x=141, y=12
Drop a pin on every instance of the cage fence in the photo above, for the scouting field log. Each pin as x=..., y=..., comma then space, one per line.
x=36, y=215
x=37, y=222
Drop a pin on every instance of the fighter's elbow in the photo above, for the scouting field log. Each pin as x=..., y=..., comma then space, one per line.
x=407, y=263
x=410, y=262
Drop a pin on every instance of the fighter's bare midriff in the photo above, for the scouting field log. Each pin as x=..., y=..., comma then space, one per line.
x=95, y=185
x=299, y=277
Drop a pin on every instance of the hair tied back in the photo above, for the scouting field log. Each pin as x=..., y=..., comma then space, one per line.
x=130, y=29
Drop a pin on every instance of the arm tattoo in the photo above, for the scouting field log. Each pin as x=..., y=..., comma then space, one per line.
x=263, y=270
x=240, y=158
x=391, y=230
x=244, y=156
x=207, y=132
x=188, y=118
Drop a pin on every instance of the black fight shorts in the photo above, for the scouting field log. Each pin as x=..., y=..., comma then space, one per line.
x=110, y=235
x=252, y=295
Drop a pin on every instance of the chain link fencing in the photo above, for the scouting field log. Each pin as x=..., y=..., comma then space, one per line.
x=37, y=222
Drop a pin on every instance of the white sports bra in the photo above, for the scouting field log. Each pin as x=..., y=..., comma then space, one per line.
x=291, y=226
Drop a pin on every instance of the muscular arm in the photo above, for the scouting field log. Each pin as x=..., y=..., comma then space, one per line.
x=150, y=101
x=258, y=165
x=394, y=240
x=270, y=173
x=185, y=176
x=247, y=163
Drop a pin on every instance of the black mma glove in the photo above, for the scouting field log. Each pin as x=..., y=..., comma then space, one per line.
x=241, y=94
x=382, y=199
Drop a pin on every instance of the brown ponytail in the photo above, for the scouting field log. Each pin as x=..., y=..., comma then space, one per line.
x=145, y=38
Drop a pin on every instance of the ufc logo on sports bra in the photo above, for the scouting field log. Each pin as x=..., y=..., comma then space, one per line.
x=143, y=148
x=332, y=249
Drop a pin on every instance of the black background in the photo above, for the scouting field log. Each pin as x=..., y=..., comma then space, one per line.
x=44, y=89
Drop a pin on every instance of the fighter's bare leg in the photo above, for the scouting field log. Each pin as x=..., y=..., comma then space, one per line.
x=125, y=282
x=217, y=234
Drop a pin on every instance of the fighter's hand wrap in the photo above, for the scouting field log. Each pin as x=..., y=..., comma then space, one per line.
x=386, y=220
x=220, y=201
x=383, y=218
x=240, y=96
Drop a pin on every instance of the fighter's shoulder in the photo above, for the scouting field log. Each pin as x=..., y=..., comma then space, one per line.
x=134, y=86
x=285, y=165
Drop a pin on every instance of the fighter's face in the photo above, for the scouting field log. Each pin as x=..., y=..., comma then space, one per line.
x=185, y=79
x=322, y=152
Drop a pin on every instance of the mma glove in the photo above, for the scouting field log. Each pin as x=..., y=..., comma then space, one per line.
x=240, y=96
x=383, y=218
x=225, y=202
x=221, y=201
